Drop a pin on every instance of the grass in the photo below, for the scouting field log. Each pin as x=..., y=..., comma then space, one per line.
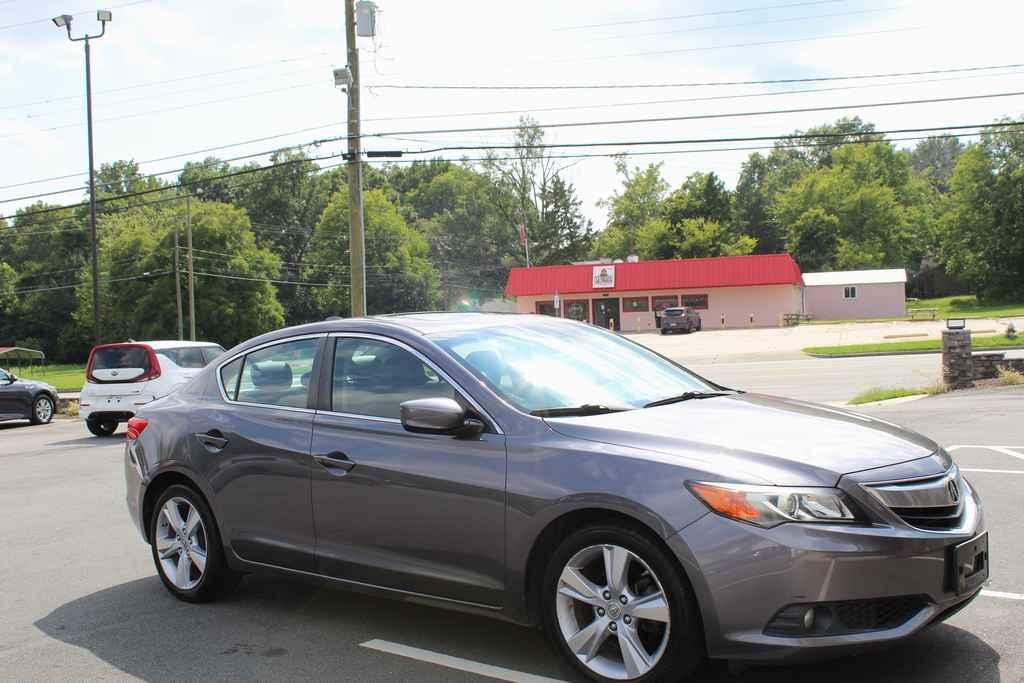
x=968, y=307
x=880, y=394
x=64, y=377
x=977, y=344
x=960, y=306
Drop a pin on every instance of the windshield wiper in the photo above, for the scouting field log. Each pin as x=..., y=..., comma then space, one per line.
x=579, y=411
x=688, y=395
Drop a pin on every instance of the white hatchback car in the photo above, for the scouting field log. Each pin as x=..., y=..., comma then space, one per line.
x=120, y=378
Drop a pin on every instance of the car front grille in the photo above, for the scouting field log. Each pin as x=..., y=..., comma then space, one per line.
x=930, y=503
x=874, y=615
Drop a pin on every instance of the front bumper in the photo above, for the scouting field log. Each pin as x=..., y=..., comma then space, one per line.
x=744, y=575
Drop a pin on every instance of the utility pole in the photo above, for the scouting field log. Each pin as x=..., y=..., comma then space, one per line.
x=191, y=273
x=357, y=247
x=64, y=21
x=177, y=282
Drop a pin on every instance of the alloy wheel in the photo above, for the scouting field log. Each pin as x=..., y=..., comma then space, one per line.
x=181, y=543
x=44, y=409
x=612, y=612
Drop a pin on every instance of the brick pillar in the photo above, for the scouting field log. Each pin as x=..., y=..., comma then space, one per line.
x=957, y=362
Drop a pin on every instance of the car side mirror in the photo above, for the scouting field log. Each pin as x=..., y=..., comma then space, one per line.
x=11, y=378
x=438, y=416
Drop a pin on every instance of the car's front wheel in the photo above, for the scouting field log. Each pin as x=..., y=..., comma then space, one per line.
x=617, y=608
x=42, y=410
x=186, y=547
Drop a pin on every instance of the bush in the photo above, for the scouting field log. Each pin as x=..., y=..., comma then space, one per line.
x=1009, y=377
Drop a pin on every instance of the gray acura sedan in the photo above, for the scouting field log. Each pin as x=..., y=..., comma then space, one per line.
x=552, y=473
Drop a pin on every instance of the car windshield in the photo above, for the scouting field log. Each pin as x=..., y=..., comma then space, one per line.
x=543, y=367
x=186, y=356
x=673, y=312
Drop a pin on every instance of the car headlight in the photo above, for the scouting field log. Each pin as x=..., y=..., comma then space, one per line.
x=768, y=506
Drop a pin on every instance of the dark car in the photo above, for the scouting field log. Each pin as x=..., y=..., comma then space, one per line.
x=549, y=472
x=680, y=319
x=22, y=399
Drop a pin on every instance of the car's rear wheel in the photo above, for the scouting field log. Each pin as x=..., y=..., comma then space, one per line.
x=186, y=547
x=101, y=427
x=618, y=609
x=42, y=410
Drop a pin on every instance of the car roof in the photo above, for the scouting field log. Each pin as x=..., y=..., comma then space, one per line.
x=442, y=322
x=172, y=344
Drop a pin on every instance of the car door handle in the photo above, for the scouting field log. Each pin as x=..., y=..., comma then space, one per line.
x=213, y=440
x=335, y=460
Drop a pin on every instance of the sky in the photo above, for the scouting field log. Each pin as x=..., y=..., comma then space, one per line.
x=174, y=77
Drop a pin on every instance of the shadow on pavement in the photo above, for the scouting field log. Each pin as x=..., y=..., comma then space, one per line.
x=274, y=628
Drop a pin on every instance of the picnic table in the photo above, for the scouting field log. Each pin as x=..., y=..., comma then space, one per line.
x=931, y=313
x=795, y=318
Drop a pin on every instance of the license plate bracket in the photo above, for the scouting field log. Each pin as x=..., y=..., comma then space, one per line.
x=968, y=564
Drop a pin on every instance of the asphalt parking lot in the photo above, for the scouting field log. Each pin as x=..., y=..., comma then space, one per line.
x=80, y=598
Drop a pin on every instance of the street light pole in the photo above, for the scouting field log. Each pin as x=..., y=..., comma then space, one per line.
x=64, y=21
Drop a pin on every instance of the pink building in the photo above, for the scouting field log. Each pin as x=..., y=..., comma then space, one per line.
x=856, y=294
x=729, y=291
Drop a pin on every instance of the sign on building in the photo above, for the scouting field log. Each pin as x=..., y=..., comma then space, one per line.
x=604, y=277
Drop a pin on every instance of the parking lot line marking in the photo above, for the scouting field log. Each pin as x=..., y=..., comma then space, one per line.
x=964, y=469
x=1000, y=594
x=500, y=673
x=1005, y=450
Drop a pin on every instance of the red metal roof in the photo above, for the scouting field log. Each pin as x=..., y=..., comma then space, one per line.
x=698, y=273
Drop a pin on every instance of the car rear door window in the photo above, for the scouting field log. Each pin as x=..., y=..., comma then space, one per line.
x=277, y=375
x=373, y=378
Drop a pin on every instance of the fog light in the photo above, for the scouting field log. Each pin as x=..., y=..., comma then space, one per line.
x=809, y=619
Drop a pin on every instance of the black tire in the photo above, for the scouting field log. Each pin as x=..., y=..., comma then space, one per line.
x=700, y=325
x=685, y=650
x=217, y=579
x=101, y=427
x=661, y=332
x=41, y=402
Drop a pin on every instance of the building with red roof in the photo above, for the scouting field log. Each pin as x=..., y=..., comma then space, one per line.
x=727, y=291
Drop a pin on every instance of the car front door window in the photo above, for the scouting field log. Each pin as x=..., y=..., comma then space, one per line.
x=373, y=378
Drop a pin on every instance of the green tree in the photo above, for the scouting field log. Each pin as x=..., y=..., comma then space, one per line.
x=635, y=205
x=8, y=279
x=984, y=226
x=935, y=158
x=399, y=275
x=692, y=238
x=563, y=234
x=234, y=300
x=864, y=210
x=702, y=195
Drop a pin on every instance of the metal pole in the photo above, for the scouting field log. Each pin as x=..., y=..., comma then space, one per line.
x=191, y=273
x=177, y=282
x=357, y=250
x=92, y=202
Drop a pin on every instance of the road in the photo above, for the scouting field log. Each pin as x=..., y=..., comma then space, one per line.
x=81, y=599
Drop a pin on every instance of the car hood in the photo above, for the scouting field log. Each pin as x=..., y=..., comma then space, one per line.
x=756, y=438
x=35, y=384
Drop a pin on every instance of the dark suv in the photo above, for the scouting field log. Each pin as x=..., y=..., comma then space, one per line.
x=680, y=319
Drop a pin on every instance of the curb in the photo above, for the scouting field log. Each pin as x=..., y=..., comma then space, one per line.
x=906, y=353
x=888, y=401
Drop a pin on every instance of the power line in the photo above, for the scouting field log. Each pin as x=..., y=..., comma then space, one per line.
x=625, y=86
x=76, y=14
x=276, y=282
x=532, y=87
x=716, y=27
x=709, y=48
x=163, y=81
x=696, y=117
x=163, y=94
x=761, y=138
x=699, y=14
x=498, y=147
x=178, y=185
x=81, y=283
